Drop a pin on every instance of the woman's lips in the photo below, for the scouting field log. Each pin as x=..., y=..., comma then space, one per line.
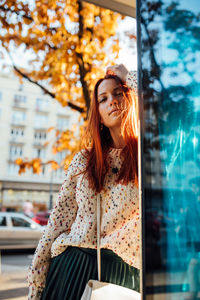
x=113, y=111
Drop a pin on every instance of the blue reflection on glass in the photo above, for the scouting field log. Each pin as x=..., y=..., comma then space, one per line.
x=170, y=56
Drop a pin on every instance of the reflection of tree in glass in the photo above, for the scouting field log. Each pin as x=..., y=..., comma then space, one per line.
x=178, y=23
x=170, y=74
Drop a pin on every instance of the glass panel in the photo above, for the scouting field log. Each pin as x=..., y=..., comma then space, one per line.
x=19, y=99
x=13, y=169
x=2, y=221
x=41, y=121
x=170, y=62
x=16, y=151
x=41, y=104
x=19, y=222
x=63, y=123
x=18, y=117
x=39, y=152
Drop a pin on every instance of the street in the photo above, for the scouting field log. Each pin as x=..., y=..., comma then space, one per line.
x=14, y=267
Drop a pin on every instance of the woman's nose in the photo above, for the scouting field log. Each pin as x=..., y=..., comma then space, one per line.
x=113, y=101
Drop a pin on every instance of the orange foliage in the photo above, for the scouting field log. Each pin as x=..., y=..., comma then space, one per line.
x=69, y=40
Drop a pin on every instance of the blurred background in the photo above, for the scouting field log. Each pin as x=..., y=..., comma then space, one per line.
x=51, y=55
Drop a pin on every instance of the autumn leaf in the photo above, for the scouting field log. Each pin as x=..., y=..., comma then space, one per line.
x=36, y=164
x=46, y=144
x=54, y=164
x=18, y=161
x=50, y=129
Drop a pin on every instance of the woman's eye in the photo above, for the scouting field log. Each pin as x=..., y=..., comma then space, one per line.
x=102, y=99
x=119, y=94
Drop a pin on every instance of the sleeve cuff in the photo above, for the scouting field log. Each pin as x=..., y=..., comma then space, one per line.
x=34, y=294
x=131, y=80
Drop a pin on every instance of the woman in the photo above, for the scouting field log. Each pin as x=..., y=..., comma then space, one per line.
x=65, y=258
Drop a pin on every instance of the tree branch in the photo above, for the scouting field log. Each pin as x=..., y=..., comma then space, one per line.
x=16, y=12
x=80, y=61
x=52, y=95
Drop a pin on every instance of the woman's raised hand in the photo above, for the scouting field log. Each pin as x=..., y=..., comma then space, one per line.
x=118, y=70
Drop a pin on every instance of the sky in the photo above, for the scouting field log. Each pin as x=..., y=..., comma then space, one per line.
x=127, y=54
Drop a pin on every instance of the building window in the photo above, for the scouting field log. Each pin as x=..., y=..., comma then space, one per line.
x=18, y=117
x=19, y=99
x=41, y=104
x=17, y=132
x=19, y=222
x=63, y=123
x=43, y=170
x=41, y=121
x=16, y=151
x=39, y=153
x=40, y=135
x=13, y=168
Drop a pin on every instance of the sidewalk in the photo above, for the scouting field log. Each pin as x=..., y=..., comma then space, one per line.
x=13, y=285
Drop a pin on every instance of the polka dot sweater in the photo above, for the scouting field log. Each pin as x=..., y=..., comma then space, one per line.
x=73, y=220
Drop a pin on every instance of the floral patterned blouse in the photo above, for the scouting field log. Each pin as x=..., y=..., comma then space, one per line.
x=73, y=220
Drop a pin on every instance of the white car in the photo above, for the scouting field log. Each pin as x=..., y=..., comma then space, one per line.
x=18, y=231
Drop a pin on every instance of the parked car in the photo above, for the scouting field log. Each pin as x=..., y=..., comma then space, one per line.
x=18, y=231
x=41, y=217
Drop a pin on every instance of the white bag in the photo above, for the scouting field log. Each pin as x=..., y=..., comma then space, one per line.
x=98, y=290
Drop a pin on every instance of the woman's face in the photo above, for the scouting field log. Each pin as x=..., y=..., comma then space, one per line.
x=110, y=98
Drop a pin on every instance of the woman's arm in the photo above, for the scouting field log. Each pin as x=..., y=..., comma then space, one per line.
x=61, y=220
x=128, y=77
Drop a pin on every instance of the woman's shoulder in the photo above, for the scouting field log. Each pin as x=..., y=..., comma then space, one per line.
x=82, y=155
x=131, y=80
x=78, y=163
x=79, y=159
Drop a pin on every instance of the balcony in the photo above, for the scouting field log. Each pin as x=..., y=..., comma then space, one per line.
x=20, y=101
x=42, y=105
x=17, y=139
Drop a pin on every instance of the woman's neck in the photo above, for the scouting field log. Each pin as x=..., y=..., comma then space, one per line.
x=118, y=141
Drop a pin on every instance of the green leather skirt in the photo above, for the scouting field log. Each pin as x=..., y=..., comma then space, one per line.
x=70, y=271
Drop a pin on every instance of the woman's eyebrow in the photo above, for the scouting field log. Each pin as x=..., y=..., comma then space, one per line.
x=116, y=88
x=101, y=94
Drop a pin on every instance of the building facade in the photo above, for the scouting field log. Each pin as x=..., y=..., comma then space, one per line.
x=26, y=114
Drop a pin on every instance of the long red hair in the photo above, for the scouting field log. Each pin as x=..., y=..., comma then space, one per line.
x=98, y=141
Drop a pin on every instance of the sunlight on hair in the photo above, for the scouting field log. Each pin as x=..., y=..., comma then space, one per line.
x=131, y=118
x=134, y=116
